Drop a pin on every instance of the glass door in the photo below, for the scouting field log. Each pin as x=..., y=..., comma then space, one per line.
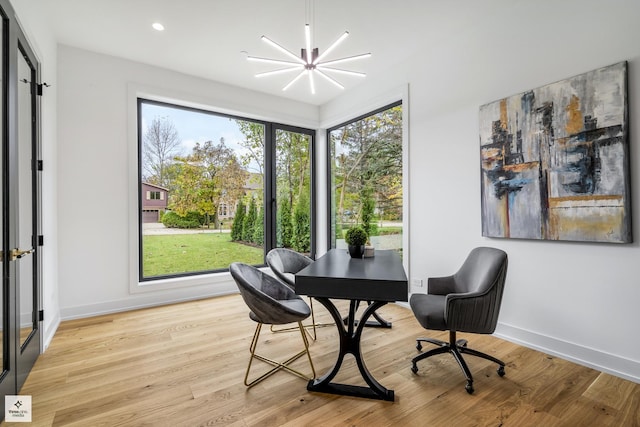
x=7, y=311
x=20, y=215
x=27, y=221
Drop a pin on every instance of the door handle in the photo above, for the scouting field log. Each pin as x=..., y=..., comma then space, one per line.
x=17, y=253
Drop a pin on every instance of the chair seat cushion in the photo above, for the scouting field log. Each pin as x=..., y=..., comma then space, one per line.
x=429, y=310
x=293, y=310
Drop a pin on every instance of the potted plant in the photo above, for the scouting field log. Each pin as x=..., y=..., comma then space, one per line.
x=356, y=237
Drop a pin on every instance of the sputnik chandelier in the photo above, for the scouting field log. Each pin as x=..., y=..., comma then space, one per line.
x=310, y=62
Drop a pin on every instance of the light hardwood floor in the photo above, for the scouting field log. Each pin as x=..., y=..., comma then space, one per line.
x=183, y=365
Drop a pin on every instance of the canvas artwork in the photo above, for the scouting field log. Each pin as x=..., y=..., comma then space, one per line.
x=554, y=161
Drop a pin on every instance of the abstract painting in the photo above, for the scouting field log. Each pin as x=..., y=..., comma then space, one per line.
x=554, y=161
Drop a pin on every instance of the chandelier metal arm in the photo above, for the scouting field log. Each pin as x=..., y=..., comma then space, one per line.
x=349, y=58
x=283, y=50
x=330, y=79
x=340, y=71
x=307, y=37
x=274, y=61
x=295, y=79
x=311, y=82
x=309, y=61
x=330, y=48
x=279, y=71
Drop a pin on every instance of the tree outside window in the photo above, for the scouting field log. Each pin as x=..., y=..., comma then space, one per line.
x=366, y=178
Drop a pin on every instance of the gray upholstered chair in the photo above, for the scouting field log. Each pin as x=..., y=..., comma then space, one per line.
x=468, y=301
x=272, y=303
x=285, y=263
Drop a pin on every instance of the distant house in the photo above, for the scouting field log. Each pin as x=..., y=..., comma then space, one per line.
x=154, y=200
x=227, y=210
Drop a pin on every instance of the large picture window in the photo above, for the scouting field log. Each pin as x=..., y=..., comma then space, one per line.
x=214, y=173
x=365, y=178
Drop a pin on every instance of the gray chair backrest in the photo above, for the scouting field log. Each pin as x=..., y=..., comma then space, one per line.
x=269, y=300
x=285, y=263
x=479, y=286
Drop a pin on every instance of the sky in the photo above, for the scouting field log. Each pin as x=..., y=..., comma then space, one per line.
x=193, y=126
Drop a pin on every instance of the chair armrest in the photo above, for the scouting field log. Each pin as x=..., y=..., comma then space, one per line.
x=440, y=285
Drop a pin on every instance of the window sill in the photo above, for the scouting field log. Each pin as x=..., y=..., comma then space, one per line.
x=216, y=279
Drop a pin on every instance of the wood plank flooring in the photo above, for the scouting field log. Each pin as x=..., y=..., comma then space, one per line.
x=183, y=365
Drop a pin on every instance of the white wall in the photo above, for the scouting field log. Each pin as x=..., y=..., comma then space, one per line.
x=97, y=140
x=576, y=300
x=42, y=42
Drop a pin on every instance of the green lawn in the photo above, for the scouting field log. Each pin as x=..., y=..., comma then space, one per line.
x=382, y=231
x=182, y=253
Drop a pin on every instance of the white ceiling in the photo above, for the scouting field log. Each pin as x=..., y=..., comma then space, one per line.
x=205, y=38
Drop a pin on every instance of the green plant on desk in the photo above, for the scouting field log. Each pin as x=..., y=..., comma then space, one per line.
x=356, y=238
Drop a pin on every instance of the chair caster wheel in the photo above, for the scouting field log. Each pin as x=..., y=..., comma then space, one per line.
x=469, y=388
x=419, y=346
x=501, y=371
x=414, y=369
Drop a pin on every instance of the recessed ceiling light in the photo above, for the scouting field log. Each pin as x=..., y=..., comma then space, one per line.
x=157, y=26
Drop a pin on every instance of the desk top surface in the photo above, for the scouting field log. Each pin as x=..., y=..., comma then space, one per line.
x=337, y=275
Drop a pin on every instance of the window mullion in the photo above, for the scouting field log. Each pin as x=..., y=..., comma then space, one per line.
x=270, y=188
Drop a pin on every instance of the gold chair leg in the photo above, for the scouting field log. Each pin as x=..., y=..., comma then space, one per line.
x=277, y=365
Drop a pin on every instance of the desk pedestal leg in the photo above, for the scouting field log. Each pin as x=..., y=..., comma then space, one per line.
x=378, y=323
x=350, y=335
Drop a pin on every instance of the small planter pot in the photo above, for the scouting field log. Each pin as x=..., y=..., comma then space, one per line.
x=369, y=251
x=356, y=251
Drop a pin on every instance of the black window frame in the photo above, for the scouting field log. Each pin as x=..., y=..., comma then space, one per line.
x=269, y=182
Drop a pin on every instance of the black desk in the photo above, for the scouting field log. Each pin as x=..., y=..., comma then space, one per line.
x=378, y=280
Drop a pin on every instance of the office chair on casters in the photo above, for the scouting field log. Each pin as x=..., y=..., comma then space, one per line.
x=285, y=263
x=468, y=301
x=273, y=303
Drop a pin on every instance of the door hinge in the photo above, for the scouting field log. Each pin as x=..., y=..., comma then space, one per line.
x=41, y=315
x=41, y=240
x=40, y=165
x=39, y=87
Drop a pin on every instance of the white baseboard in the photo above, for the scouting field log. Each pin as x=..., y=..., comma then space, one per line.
x=585, y=356
x=49, y=331
x=138, y=301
